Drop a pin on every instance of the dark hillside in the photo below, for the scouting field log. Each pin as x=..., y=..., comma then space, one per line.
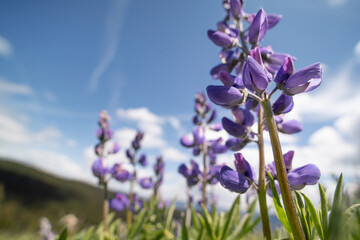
x=27, y=194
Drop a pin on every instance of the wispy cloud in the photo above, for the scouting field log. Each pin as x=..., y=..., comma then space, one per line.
x=7, y=87
x=5, y=48
x=337, y=3
x=113, y=25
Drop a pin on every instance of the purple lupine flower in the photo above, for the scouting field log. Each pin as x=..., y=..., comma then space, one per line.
x=288, y=127
x=255, y=76
x=216, y=127
x=99, y=168
x=212, y=174
x=237, y=181
x=258, y=27
x=298, y=177
x=283, y=104
x=146, y=182
x=234, y=129
x=191, y=174
x=142, y=160
x=120, y=202
x=285, y=71
x=224, y=96
x=304, y=80
x=119, y=173
x=116, y=148
x=215, y=71
x=236, y=144
x=273, y=20
x=221, y=39
x=236, y=8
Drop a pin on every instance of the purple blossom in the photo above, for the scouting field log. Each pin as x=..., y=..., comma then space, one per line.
x=99, y=168
x=258, y=27
x=120, y=202
x=255, y=76
x=283, y=104
x=221, y=39
x=224, y=96
x=142, y=160
x=191, y=173
x=119, y=173
x=146, y=182
x=299, y=177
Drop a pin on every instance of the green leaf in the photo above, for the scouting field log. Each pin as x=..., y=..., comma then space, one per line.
x=310, y=207
x=184, y=231
x=324, y=211
x=301, y=211
x=335, y=214
x=229, y=219
x=63, y=235
x=249, y=228
x=350, y=212
x=88, y=233
x=169, y=215
x=280, y=212
x=194, y=218
x=139, y=221
x=208, y=223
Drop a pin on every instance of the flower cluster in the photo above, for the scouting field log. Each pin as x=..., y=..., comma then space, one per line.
x=244, y=177
x=246, y=73
x=104, y=134
x=159, y=167
x=209, y=148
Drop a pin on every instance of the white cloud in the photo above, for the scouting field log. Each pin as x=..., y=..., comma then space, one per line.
x=7, y=87
x=71, y=143
x=357, y=49
x=5, y=47
x=337, y=3
x=174, y=154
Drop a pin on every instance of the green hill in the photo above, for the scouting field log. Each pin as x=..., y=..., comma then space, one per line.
x=27, y=194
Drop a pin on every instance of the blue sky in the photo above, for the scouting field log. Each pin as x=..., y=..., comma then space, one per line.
x=143, y=61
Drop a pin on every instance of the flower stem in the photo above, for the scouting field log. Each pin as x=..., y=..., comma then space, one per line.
x=105, y=207
x=281, y=172
x=131, y=200
x=204, y=173
x=262, y=187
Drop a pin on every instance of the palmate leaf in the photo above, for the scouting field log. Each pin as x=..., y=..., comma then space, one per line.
x=280, y=212
x=310, y=207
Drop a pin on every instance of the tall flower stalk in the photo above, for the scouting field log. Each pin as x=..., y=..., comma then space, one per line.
x=99, y=167
x=256, y=68
x=206, y=148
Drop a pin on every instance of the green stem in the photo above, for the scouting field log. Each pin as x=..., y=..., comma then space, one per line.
x=281, y=172
x=262, y=187
x=105, y=207
x=131, y=201
x=204, y=173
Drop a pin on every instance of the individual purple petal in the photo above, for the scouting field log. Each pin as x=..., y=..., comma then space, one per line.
x=254, y=76
x=243, y=116
x=99, y=168
x=186, y=142
x=221, y=39
x=196, y=151
x=224, y=96
x=304, y=80
x=119, y=203
x=272, y=20
x=233, y=180
x=146, y=182
x=216, y=70
x=290, y=127
x=283, y=104
x=236, y=144
x=116, y=148
x=235, y=8
x=256, y=54
x=258, y=27
x=183, y=170
x=305, y=175
x=288, y=157
x=142, y=160
x=243, y=166
x=285, y=71
x=234, y=129
x=227, y=79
